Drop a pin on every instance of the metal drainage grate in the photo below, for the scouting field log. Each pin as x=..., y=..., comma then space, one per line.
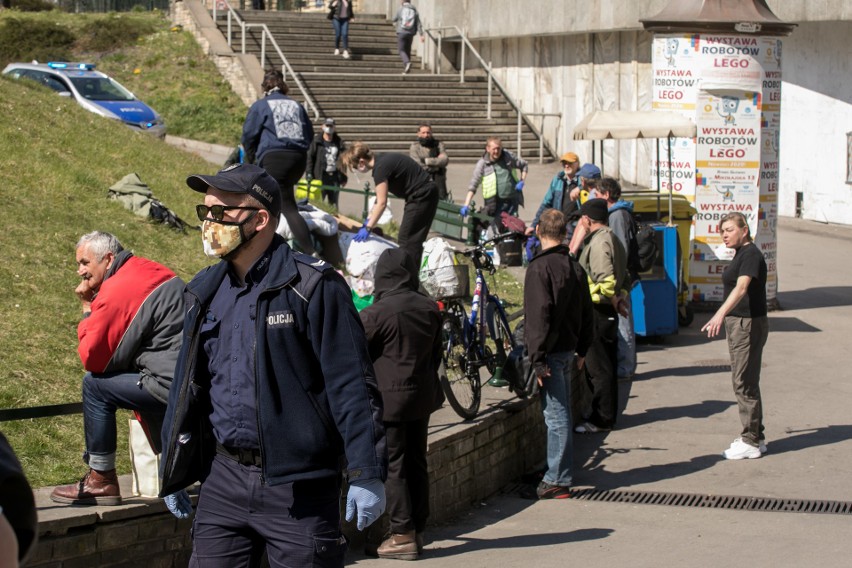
x=737, y=503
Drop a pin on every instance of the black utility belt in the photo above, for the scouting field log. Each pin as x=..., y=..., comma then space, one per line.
x=244, y=456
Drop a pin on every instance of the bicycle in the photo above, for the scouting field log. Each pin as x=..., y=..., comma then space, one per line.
x=468, y=338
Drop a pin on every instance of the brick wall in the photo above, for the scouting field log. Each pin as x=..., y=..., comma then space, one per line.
x=471, y=464
x=92, y=540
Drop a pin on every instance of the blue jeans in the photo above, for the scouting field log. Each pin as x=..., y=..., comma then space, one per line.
x=341, y=32
x=556, y=407
x=626, y=343
x=103, y=394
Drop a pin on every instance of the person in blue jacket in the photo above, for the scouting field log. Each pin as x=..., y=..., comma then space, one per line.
x=274, y=391
x=566, y=183
x=276, y=135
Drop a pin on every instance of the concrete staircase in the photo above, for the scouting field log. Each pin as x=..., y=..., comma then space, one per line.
x=370, y=98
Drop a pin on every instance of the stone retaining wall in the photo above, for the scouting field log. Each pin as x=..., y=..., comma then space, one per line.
x=468, y=462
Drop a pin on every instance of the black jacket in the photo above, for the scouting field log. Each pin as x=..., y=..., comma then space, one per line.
x=318, y=401
x=557, y=307
x=316, y=155
x=404, y=339
x=17, y=501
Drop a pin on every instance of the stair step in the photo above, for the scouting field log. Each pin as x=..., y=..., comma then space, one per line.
x=369, y=96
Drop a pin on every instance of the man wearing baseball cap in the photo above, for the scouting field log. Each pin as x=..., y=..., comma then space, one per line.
x=564, y=191
x=605, y=262
x=273, y=391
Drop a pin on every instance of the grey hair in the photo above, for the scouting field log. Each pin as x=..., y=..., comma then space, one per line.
x=100, y=244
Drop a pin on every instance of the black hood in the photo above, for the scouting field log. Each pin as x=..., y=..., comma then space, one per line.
x=395, y=271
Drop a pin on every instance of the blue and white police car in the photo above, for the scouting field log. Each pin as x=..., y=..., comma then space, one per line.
x=93, y=91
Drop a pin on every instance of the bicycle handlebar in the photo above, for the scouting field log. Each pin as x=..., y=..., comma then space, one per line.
x=480, y=248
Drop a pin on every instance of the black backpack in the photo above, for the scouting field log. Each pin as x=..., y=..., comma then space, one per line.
x=642, y=248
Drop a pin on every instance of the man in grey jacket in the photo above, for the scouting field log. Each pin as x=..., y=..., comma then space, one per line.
x=430, y=153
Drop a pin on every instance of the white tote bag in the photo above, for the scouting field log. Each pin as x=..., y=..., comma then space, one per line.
x=144, y=462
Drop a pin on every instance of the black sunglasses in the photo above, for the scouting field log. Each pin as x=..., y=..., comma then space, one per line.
x=217, y=212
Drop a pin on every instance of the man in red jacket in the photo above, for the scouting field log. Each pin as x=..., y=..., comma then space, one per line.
x=129, y=338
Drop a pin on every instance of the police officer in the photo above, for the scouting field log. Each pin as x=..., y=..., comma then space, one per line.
x=273, y=390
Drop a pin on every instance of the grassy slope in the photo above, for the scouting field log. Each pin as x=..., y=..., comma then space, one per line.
x=58, y=162
x=165, y=69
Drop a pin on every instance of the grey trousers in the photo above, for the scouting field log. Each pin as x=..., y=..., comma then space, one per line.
x=746, y=338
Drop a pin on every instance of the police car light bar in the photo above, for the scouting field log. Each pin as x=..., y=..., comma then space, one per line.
x=62, y=65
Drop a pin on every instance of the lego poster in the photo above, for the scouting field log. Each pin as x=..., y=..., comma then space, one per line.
x=682, y=164
x=727, y=165
x=676, y=73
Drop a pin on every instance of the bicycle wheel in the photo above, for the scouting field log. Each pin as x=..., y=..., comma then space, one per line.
x=460, y=382
x=526, y=375
x=501, y=335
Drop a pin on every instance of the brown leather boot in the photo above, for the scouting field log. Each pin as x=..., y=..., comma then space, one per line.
x=96, y=488
x=399, y=546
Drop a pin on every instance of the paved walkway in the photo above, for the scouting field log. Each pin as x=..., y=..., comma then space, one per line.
x=679, y=415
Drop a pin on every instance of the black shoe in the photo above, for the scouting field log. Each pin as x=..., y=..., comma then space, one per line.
x=547, y=491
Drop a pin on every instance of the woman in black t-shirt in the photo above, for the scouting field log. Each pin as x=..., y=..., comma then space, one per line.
x=403, y=177
x=743, y=314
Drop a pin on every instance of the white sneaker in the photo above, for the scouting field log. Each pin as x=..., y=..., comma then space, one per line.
x=407, y=68
x=337, y=52
x=345, y=54
x=740, y=450
x=760, y=446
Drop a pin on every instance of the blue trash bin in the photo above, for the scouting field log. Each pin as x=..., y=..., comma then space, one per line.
x=654, y=297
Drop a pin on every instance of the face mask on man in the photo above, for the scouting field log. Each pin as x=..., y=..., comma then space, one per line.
x=221, y=238
x=328, y=129
x=427, y=141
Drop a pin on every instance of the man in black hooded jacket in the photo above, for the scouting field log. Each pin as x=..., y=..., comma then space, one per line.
x=403, y=330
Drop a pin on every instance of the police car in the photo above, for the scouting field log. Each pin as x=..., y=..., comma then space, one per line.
x=93, y=91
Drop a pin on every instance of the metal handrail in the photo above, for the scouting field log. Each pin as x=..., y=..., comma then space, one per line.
x=491, y=79
x=265, y=33
x=543, y=116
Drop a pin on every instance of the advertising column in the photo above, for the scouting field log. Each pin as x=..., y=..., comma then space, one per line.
x=731, y=90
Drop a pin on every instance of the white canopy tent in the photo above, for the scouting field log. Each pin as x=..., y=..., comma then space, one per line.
x=628, y=125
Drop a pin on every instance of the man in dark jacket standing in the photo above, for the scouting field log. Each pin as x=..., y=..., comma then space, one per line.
x=403, y=331
x=129, y=340
x=273, y=391
x=558, y=311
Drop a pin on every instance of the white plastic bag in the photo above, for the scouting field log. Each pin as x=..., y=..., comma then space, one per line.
x=437, y=269
x=361, y=259
x=387, y=214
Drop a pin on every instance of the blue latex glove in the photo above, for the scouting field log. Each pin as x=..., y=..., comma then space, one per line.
x=367, y=498
x=520, y=186
x=362, y=235
x=179, y=504
x=464, y=210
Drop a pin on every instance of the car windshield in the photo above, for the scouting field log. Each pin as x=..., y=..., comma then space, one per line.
x=101, y=89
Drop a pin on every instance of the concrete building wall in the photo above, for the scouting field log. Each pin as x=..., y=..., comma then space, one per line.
x=573, y=56
x=816, y=103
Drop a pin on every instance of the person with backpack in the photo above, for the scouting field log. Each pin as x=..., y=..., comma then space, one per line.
x=623, y=226
x=407, y=22
x=605, y=262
